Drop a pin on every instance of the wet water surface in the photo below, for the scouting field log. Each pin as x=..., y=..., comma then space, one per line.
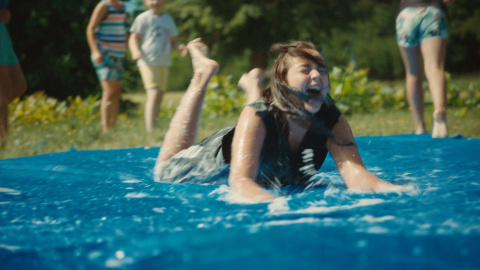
x=101, y=209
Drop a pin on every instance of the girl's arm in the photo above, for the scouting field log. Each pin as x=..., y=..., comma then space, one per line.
x=349, y=163
x=133, y=42
x=246, y=149
x=99, y=14
x=180, y=47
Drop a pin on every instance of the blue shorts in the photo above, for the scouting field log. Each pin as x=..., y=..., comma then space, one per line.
x=7, y=55
x=111, y=69
x=415, y=24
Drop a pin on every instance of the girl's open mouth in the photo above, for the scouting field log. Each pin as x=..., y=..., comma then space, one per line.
x=314, y=90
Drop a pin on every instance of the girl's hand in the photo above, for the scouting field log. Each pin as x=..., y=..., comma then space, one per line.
x=345, y=153
x=97, y=57
x=250, y=192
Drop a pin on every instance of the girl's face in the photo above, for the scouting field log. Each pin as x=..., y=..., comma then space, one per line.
x=304, y=75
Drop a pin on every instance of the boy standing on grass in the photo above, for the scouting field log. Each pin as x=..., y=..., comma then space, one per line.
x=152, y=37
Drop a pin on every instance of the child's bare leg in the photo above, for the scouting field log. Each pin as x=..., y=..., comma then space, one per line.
x=440, y=129
x=152, y=107
x=111, y=90
x=413, y=79
x=183, y=128
x=433, y=51
x=252, y=84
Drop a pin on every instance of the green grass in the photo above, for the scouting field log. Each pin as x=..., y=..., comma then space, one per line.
x=391, y=122
x=27, y=140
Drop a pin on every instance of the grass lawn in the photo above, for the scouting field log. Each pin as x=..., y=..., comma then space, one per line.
x=130, y=130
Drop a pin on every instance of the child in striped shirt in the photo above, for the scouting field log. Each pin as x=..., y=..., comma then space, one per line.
x=106, y=35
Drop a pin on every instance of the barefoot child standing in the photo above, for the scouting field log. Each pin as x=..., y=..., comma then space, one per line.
x=106, y=36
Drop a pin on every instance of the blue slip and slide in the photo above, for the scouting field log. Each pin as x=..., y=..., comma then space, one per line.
x=100, y=209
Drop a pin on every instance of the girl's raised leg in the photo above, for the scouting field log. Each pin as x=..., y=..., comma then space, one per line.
x=183, y=128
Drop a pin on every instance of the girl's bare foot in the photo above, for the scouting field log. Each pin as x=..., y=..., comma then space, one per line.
x=440, y=129
x=203, y=67
x=252, y=84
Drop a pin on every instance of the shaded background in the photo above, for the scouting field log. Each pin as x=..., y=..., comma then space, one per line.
x=49, y=38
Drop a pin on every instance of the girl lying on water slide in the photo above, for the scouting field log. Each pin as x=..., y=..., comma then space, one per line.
x=282, y=137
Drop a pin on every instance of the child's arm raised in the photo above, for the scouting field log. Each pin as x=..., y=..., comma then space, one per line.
x=99, y=14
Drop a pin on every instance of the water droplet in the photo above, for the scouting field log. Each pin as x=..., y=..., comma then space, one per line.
x=120, y=254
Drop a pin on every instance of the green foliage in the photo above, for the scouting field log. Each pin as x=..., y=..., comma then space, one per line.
x=354, y=93
x=49, y=37
x=223, y=98
x=463, y=97
x=375, y=43
x=463, y=49
x=38, y=108
x=231, y=27
x=168, y=109
x=179, y=73
x=351, y=89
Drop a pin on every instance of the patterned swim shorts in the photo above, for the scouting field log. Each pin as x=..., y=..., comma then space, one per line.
x=415, y=24
x=111, y=69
